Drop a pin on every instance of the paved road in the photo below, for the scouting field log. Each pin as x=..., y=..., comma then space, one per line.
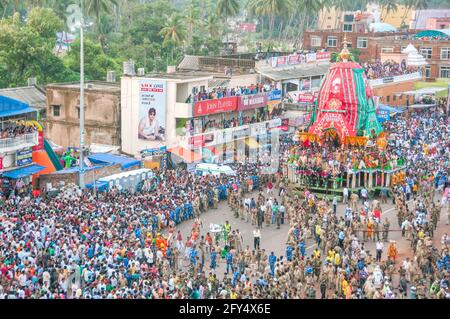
x=273, y=239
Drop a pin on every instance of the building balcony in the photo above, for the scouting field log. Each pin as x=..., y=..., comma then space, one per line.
x=184, y=110
x=16, y=143
x=224, y=136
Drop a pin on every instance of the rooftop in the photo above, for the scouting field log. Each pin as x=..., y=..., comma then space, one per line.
x=31, y=95
x=295, y=72
x=90, y=85
x=180, y=76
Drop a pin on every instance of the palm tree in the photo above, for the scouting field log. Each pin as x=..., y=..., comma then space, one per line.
x=192, y=16
x=418, y=5
x=226, y=9
x=255, y=8
x=213, y=26
x=95, y=8
x=274, y=8
x=174, y=30
x=389, y=6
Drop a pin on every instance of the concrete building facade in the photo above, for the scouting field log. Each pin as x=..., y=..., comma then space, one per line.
x=102, y=113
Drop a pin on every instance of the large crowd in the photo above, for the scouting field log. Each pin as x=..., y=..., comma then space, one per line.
x=16, y=131
x=222, y=92
x=119, y=244
x=379, y=70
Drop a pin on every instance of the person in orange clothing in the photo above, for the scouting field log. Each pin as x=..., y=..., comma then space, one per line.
x=369, y=229
x=392, y=250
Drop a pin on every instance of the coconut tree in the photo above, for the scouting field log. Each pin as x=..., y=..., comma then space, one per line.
x=174, y=30
x=192, y=16
x=226, y=9
x=212, y=25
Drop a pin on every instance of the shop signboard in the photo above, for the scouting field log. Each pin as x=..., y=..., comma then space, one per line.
x=241, y=132
x=207, y=107
x=24, y=157
x=258, y=129
x=252, y=101
x=154, y=151
x=197, y=141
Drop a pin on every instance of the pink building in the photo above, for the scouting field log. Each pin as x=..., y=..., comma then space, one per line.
x=438, y=23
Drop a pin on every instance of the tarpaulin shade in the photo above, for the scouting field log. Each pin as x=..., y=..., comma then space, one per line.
x=24, y=171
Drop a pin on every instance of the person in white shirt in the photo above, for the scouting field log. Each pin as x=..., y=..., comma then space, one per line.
x=149, y=127
x=345, y=194
x=256, y=238
x=379, y=250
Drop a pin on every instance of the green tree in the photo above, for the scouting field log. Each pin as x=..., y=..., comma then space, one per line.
x=192, y=16
x=213, y=26
x=174, y=30
x=96, y=64
x=226, y=9
x=26, y=49
x=389, y=6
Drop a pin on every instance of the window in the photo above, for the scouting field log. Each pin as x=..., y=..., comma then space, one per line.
x=426, y=52
x=348, y=18
x=316, y=41
x=332, y=41
x=388, y=98
x=348, y=27
x=394, y=97
x=56, y=110
x=445, y=53
x=445, y=72
x=362, y=43
x=387, y=50
x=428, y=71
x=78, y=111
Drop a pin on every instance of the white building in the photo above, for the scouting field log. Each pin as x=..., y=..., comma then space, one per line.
x=185, y=126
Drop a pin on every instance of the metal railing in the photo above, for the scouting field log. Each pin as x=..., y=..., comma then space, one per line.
x=25, y=139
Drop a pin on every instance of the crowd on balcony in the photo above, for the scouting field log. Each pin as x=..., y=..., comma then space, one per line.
x=221, y=92
x=379, y=70
x=16, y=131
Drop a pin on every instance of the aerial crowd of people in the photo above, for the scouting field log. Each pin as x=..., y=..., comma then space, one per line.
x=121, y=244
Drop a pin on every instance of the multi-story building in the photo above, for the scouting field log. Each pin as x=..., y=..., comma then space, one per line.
x=18, y=137
x=372, y=45
x=164, y=112
x=102, y=113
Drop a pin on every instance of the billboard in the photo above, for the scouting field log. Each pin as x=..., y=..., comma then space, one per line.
x=24, y=157
x=152, y=110
x=208, y=107
x=253, y=101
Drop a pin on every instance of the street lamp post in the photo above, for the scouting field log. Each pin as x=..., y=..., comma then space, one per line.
x=81, y=182
x=75, y=19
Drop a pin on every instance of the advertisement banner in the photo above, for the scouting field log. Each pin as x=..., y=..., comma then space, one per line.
x=294, y=59
x=197, y=141
x=383, y=115
x=306, y=97
x=208, y=107
x=152, y=110
x=323, y=56
x=282, y=60
x=40, y=145
x=258, y=129
x=275, y=95
x=153, y=151
x=275, y=123
x=248, y=102
x=241, y=132
x=24, y=157
x=311, y=57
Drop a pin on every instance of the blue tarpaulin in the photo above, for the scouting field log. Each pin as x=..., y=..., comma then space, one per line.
x=125, y=162
x=24, y=171
x=11, y=107
x=99, y=186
